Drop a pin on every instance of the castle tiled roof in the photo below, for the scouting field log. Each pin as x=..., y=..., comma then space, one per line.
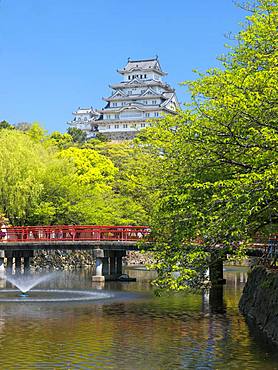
x=144, y=64
x=82, y=111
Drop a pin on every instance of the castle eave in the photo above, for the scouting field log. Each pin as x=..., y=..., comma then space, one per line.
x=133, y=97
x=145, y=84
x=143, y=70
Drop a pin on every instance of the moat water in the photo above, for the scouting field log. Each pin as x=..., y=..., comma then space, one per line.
x=128, y=327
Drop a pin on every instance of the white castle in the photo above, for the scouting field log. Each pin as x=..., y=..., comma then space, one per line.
x=141, y=95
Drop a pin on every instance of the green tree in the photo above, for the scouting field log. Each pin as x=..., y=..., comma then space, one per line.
x=37, y=186
x=91, y=167
x=5, y=124
x=62, y=197
x=78, y=136
x=107, y=201
x=126, y=185
x=36, y=132
x=62, y=141
x=22, y=164
x=43, y=184
x=213, y=171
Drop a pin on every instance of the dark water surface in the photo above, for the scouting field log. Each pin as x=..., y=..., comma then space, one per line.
x=130, y=329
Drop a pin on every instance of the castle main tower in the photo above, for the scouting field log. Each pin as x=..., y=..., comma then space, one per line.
x=141, y=95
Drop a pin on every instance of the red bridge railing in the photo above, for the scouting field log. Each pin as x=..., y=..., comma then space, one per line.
x=73, y=233
x=89, y=233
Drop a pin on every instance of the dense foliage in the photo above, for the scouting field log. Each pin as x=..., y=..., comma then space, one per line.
x=48, y=180
x=213, y=171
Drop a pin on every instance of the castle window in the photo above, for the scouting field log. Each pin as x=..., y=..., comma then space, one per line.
x=129, y=77
x=143, y=125
x=129, y=92
x=108, y=126
x=117, y=116
x=79, y=118
x=114, y=104
x=145, y=76
x=153, y=101
x=147, y=114
x=85, y=118
x=124, y=125
x=108, y=116
x=156, y=114
x=141, y=76
x=145, y=101
x=116, y=126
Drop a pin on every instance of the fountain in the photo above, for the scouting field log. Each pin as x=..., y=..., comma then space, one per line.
x=25, y=284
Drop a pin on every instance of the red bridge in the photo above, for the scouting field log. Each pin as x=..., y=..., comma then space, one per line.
x=108, y=243
x=84, y=236
x=73, y=233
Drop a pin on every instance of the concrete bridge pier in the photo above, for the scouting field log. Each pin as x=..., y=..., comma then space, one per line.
x=27, y=255
x=216, y=270
x=10, y=260
x=17, y=264
x=105, y=266
x=119, y=262
x=18, y=256
x=99, y=277
x=9, y=264
x=108, y=264
x=2, y=267
x=116, y=264
x=26, y=263
x=112, y=265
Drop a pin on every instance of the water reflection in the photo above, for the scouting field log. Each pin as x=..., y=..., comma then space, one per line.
x=136, y=330
x=213, y=300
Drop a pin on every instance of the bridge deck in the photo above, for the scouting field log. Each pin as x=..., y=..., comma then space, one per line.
x=71, y=245
x=73, y=237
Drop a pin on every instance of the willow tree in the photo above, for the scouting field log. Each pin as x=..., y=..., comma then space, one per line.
x=35, y=186
x=22, y=163
x=215, y=178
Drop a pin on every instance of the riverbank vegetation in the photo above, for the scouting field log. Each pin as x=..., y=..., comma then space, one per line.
x=207, y=174
x=214, y=167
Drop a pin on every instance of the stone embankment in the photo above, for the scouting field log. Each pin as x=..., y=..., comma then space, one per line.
x=259, y=301
x=137, y=258
x=62, y=260
x=68, y=260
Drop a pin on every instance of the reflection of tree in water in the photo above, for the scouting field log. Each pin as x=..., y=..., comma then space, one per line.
x=225, y=338
x=216, y=326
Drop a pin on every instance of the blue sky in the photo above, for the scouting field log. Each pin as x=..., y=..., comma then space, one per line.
x=57, y=55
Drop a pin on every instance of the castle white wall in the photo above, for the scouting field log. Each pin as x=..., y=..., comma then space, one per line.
x=131, y=119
